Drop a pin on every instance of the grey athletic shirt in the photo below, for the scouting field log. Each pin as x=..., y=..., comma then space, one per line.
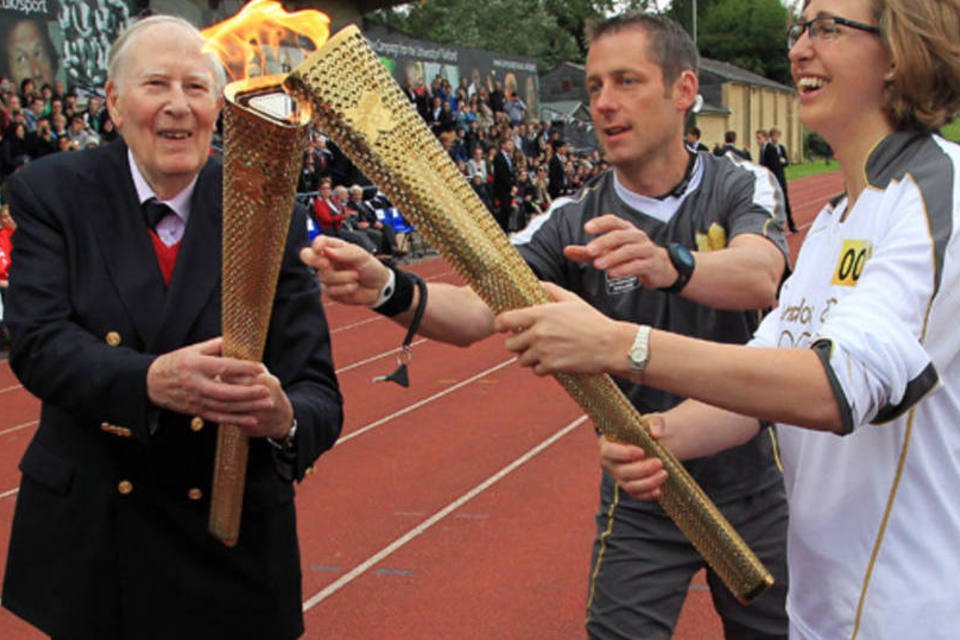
x=723, y=199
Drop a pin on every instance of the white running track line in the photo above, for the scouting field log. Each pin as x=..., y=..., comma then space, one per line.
x=13, y=388
x=18, y=427
x=11, y=492
x=361, y=568
x=417, y=405
x=379, y=356
x=358, y=323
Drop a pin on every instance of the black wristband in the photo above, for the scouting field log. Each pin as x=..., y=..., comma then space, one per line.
x=402, y=298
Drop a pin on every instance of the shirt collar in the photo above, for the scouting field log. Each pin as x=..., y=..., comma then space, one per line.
x=180, y=203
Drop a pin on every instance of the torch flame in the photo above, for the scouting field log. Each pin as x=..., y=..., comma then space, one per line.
x=262, y=35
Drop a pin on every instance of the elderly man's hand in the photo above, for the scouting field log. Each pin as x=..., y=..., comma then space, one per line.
x=622, y=250
x=275, y=420
x=567, y=336
x=196, y=380
x=349, y=274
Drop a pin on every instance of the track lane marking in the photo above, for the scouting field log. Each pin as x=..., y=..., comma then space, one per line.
x=18, y=427
x=400, y=542
x=379, y=356
x=416, y=405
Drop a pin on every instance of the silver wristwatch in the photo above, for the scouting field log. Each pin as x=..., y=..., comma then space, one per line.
x=639, y=354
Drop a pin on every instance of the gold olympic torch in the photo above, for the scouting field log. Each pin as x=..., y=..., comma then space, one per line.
x=359, y=105
x=261, y=165
x=263, y=143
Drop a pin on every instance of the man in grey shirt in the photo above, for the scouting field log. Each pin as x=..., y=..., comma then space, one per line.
x=667, y=238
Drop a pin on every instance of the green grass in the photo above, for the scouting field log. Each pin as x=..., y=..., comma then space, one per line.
x=810, y=169
x=952, y=131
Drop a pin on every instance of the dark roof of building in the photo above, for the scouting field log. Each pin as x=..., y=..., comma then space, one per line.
x=733, y=73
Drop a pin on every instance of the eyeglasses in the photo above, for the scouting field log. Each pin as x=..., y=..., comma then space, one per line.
x=825, y=28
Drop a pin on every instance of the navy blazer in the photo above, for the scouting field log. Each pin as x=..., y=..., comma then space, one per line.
x=109, y=535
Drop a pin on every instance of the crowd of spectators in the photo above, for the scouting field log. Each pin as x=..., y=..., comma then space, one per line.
x=36, y=121
x=516, y=164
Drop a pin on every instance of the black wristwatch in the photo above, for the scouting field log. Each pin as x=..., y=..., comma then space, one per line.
x=683, y=262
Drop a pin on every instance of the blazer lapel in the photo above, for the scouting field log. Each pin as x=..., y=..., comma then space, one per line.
x=197, y=271
x=113, y=210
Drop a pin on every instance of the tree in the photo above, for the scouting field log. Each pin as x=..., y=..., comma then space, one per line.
x=747, y=33
x=550, y=31
x=682, y=12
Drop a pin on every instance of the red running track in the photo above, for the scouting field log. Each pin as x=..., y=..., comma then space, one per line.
x=461, y=507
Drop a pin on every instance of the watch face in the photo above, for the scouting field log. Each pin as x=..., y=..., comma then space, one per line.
x=682, y=258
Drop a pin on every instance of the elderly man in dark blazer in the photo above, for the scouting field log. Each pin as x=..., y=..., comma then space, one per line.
x=115, y=328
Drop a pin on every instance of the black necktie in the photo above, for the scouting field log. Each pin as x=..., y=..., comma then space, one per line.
x=154, y=211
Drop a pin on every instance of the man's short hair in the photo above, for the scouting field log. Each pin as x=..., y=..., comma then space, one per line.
x=356, y=189
x=119, y=51
x=730, y=137
x=695, y=131
x=669, y=45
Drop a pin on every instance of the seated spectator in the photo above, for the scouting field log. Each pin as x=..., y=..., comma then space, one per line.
x=440, y=116
x=557, y=172
x=368, y=223
x=496, y=97
x=32, y=112
x=7, y=226
x=326, y=209
x=458, y=148
x=64, y=144
x=477, y=165
x=541, y=186
x=42, y=141
x=516, y=109
x=14, y=149
x=108, y=130
x=309, y=177
x=352, y=228
x=80, y=134
x=58, y=127
x=526, y=200
x=482, y=188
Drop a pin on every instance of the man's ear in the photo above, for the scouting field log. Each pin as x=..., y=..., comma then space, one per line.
x=685, y=90
x=113, y=103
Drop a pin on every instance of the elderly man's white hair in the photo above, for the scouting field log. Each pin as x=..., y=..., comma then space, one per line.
x=120, y=49
x=356, y=188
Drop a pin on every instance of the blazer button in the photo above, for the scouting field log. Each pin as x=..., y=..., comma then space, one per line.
x=194, y=494
x=123, y=432
x=196, y=424
x=113, y=339
x=125, y=487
